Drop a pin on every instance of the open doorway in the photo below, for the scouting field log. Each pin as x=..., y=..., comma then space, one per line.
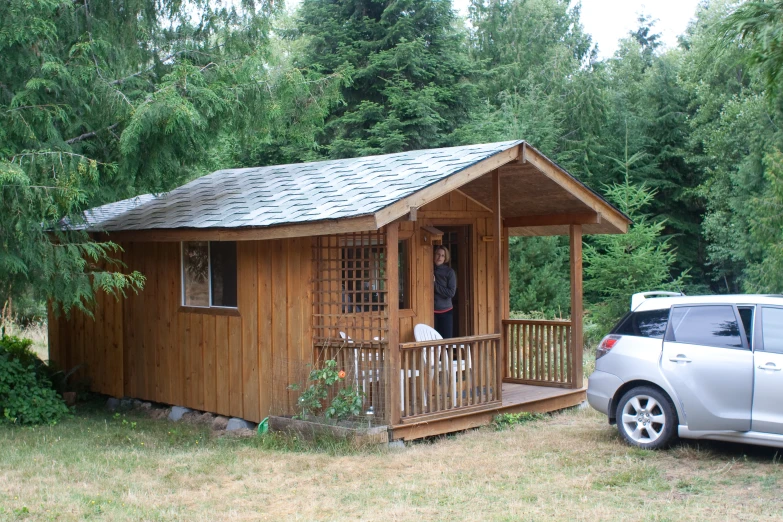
x=458, y=241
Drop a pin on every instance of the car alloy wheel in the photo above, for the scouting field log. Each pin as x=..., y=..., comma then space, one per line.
x=646, y=418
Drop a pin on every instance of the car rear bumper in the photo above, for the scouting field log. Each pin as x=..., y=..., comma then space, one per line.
x=601, y=387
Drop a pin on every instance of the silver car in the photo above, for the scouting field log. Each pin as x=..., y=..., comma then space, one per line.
x=697, y=367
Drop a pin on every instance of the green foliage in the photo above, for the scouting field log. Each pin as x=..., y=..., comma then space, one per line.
x=759, y=24
x=411, y=82
x=733, y=128
x=19, y=349
x=766, y=228
x=539, y=275
x=617, y=266
x=505, y=421
x=346, y=403
x=530, y=52
x=99, y=103
x=26, y=394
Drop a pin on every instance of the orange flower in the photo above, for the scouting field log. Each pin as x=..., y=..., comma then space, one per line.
x=341, y=374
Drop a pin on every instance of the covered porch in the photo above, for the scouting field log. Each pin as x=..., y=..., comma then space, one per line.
x=371, y=288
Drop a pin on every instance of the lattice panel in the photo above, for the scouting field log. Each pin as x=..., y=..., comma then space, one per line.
x=350, y=289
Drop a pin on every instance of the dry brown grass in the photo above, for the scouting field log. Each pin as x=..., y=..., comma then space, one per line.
x=570, y=466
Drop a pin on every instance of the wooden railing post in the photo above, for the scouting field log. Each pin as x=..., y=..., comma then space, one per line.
x=393, y=295
x=577, y=340
x=497, y=223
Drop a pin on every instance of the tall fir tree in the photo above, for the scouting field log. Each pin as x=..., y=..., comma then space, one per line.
x=410, y=79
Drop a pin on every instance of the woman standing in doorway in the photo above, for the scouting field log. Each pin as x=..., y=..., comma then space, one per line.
x=445, y=288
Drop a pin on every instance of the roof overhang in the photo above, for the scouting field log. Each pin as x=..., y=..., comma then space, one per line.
x=538, y=198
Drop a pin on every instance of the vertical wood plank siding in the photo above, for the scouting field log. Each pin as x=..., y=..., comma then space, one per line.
x=146, y=347
x=483, y=263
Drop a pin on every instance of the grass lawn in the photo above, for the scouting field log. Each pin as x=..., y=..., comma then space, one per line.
x=567, y=466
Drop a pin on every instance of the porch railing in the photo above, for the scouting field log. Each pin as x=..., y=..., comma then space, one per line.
x=538, y=352
x=447, y=375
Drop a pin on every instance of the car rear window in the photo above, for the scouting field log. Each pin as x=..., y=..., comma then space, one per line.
x=651, y=323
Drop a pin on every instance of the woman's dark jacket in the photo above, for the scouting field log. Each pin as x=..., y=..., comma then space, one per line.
x=445, y=287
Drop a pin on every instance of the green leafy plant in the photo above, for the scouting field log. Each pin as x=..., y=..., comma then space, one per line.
x=509, y=420
x=26, y=393
x=19, y=349
x=347, y=401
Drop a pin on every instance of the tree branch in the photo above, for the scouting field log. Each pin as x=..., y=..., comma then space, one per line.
x=88, y=135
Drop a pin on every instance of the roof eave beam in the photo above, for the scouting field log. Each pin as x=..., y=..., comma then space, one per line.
x=546, y=220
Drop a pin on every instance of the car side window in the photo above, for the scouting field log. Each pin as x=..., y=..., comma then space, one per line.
x=746, y=316
x=772, y=329
x=651, y=323
x=715, y=326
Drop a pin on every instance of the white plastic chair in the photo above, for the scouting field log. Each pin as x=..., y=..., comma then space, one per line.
x=423, y=332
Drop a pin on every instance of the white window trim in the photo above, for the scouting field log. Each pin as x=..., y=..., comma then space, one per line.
x=209, y=279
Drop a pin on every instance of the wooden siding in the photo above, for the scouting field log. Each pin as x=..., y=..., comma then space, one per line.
x=146, y=347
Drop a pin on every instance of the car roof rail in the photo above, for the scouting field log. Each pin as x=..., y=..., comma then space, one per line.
x=639, y=298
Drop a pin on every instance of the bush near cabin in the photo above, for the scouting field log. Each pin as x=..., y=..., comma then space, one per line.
x=26, y=392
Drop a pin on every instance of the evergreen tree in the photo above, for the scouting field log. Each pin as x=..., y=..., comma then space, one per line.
x=538, y=275
x=759, y=24
x=766, y=274
x=410, y=78
x=105, y=99
x=529, y=50
x=732, y=128
x=617, y=266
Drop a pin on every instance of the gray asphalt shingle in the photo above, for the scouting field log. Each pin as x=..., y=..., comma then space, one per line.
x=287, y=194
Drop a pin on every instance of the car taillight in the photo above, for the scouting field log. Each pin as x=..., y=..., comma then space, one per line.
x=607, y=343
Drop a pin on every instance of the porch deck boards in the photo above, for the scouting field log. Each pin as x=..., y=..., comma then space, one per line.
x=516, y=394
x=516, y=398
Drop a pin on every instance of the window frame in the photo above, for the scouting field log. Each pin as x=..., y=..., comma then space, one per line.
x=377, y=277
x=630, y=316
x=669, y=337
x=759, y=325
x=408, y=272
x=210, y=307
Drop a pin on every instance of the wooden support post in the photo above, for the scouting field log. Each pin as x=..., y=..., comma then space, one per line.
x=393, y=295
x=497, y=230
x=577, y=340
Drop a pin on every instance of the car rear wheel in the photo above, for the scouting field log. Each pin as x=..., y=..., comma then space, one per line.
x=646, y=418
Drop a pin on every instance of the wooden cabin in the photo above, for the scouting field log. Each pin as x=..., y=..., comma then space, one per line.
x=253, y=275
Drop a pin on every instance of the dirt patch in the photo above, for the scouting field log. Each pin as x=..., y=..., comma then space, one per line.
x=159, y=413
x=219, y=423
x=195, y=417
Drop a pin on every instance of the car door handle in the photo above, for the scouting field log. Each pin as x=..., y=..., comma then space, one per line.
x=680, y=359
x=769, y=366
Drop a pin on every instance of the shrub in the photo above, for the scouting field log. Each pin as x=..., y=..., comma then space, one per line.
x=26, y=393
x=346, y=403
x=19, y=349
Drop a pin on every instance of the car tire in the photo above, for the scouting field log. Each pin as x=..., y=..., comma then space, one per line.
x=646, y=418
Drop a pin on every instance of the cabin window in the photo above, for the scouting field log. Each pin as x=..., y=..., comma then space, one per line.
x=404, y=273
x=209, y=274
x=363, y=280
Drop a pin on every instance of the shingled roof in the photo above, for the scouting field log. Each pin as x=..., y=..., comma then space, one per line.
x=291, y=194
